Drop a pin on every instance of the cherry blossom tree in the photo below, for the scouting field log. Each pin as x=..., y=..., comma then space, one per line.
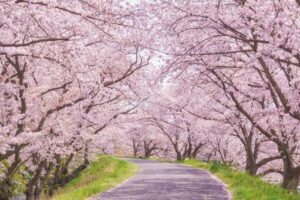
x=253, y=59
x=65, y=75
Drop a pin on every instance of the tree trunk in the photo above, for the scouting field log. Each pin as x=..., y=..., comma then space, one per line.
x=251, y=167
x=75, y=173
x=290, y=180
x=29, y=196
x=147, y=154
x=189, y=149
x=39, y=188
x=53, y=183
x=196, y=150
x=178, y=156
x=149, y=148
x=5, y=190
x=37, y=193
x=290, y=173
x=33, y=194
x=30, y=191
x=6, y=186
x=136, y=148
x=30, y=187
x=135, y=153
x=194, y=154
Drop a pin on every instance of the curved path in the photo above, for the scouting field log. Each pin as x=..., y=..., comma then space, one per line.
x=167, y=181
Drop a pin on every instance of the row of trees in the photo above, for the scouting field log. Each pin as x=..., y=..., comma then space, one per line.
x=223, y=84
x=66, y=73
x=230, y=84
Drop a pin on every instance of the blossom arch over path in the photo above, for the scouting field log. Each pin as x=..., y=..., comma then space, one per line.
x=214, y=79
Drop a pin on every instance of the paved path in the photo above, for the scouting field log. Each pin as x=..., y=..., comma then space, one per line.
x=167, y=181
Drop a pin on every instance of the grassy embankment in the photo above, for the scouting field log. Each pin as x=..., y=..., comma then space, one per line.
x=243, y=186
x=103, y=174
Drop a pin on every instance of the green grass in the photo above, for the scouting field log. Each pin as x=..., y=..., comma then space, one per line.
x=103, y=174
x=243, y=186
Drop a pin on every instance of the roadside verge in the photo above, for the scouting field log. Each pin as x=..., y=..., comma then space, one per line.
x=103, y=174
x=243, y=186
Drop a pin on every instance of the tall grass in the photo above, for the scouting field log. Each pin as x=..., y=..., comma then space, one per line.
x=103, y=174
x=243, y=186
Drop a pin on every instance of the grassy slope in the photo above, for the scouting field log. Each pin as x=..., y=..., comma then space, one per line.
x=243, y=186
x=103, y=174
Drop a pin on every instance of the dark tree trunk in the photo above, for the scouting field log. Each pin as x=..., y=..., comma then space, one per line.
x=290, y=180
x=37, y=193
x=39, y=189
x=136, y=148
x=61, y=174
x=6, y=186
x=53, y=182
x=30, y=187
x=196, y=150
x=74, y=173
x=251, y=166
x=291, y=174
x=147, y=154
x=190, y=148
x=194, y=154
x=251, y=147
x=149, y=148
x=178, y=156
x=5, y=190
x=181, y=154
x=135, y=153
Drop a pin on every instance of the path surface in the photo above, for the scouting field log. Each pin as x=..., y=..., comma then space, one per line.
x=167, y=181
